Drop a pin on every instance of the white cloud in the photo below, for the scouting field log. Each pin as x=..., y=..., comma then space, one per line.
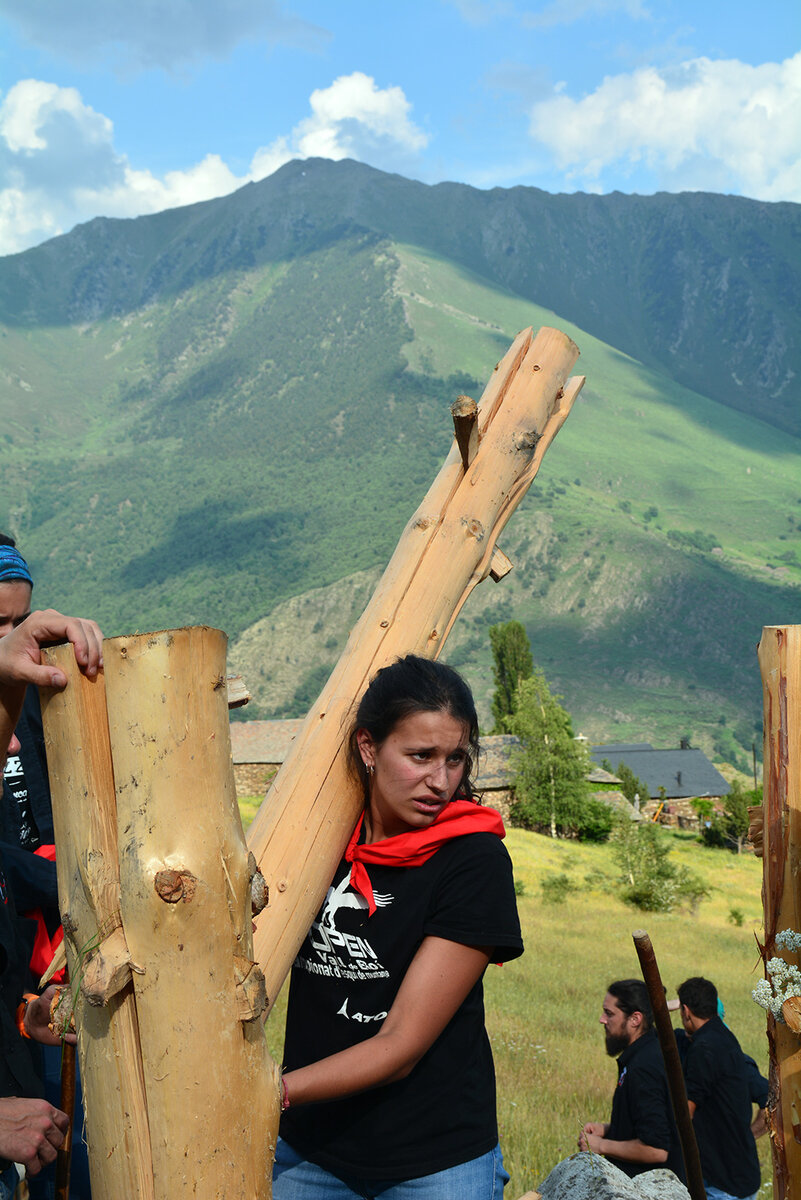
x=59, y=165
x=721, y=126
x=350, y=119
x=152, y=33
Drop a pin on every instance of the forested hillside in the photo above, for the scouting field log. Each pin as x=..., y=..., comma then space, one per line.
x=226, y=414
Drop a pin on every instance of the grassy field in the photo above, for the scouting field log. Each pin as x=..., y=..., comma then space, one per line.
x=543, y=1009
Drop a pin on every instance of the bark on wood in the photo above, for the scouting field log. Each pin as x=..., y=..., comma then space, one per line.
x=298, y=836
x=212, y=1089
x=85, y=823
x=780, y=665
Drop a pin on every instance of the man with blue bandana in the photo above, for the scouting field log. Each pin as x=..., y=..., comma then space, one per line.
x=28, y=851
x=26, y=821
x=31, y=1129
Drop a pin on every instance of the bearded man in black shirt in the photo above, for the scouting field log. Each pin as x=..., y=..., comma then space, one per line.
x=641, y=1134
x=719, y=1096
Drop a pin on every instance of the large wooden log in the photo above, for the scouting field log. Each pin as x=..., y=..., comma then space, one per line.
x=155, y=881
x=85, y=823
x=780, y=665
x=212, y=1089
x=300, y=832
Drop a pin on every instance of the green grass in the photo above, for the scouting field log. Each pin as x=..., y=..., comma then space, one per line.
x=543, y=1009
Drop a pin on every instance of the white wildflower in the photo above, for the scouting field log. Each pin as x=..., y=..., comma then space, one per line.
x=784, y=979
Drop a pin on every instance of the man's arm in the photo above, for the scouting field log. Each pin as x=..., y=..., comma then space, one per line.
x=630, y=1151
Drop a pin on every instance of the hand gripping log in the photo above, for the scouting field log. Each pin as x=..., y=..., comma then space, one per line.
x=449, y=545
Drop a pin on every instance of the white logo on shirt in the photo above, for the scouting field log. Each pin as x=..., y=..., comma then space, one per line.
x=363, y=1018
x=342, y=896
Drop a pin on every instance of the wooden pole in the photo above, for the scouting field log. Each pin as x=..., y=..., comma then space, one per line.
x=212, y=1088
x=670, y=1053
x=780, y=665
x=67, y=1104
x=300, y=832
x=85, y=823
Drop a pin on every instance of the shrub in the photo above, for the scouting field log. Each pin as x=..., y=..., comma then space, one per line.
x=648, y=879
x=556, y=888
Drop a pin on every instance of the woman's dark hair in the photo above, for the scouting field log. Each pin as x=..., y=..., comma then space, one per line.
x=407, y=686
x=632, y=997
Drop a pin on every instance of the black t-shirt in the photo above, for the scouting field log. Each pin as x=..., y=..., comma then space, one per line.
x=343, y=984
x=17, y=1074
x=641, y=1106
x=717, y=1082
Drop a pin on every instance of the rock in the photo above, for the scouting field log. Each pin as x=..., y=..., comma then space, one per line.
x=588, y=1176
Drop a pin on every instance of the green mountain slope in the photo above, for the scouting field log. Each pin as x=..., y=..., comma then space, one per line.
x=707, y=287
x=646, y=635
x=209, y=416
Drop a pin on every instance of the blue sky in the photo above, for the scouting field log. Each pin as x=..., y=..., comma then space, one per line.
x=122, y=107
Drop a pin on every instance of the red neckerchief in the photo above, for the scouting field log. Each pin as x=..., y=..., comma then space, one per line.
x=414, y=848
x=44, y=947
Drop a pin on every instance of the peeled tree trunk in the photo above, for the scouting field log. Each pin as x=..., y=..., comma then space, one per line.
x=154, y=875
x=780, y=827
x=177, y=942
x=301, y=830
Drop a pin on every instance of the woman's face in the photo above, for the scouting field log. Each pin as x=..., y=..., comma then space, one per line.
x=15, y=604
x=416, y=771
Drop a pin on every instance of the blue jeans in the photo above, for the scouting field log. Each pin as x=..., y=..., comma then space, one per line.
x=713, y=1193
x=9, y=1181
x=295, y=1178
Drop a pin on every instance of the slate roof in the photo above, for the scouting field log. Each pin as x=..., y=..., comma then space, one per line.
x=494, y=769
x=263, y=741
x=268, y=742
x=683, y=774
x=600, y=775
x=619, y=802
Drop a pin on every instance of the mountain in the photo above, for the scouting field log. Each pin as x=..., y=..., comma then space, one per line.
x=706, y=287
x=226, y=413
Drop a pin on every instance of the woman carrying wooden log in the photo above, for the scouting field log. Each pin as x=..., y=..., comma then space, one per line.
x=389, y=1085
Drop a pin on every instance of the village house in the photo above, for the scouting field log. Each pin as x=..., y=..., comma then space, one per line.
x=259, y=747
x=674, y=778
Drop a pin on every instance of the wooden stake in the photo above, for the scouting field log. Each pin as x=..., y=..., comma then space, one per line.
x=85, y=824
x=780, y=665
x=67, y=1104
x=465, y=425
x=670, y=1053
x=299, y=834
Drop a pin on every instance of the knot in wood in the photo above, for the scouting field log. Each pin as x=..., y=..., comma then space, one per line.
x=173, y=886
x=474, y=528
x=527, y=440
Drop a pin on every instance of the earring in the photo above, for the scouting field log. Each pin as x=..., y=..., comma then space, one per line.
x=370, y=769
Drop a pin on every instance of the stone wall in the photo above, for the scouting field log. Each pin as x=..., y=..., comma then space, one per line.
x=253, y=779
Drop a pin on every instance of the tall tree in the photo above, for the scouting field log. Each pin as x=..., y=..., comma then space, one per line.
x=551, y=768
x=511, y=653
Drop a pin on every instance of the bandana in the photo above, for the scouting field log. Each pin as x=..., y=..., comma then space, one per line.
x=13, y=565
x=414, y=848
